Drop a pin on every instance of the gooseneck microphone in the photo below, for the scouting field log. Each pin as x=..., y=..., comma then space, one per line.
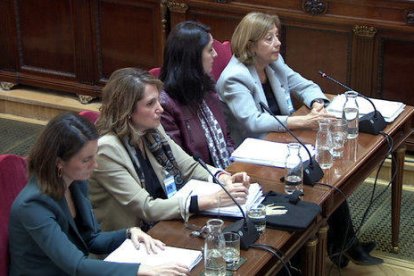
x=312, y=172
x=372, y=122
x=245, y=228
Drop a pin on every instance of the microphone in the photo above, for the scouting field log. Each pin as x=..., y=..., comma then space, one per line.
x=312, y=172
x=245, y=228
x=372, y=122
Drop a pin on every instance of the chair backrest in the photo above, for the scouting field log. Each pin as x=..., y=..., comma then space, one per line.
x=13, y=177
x=155, y=71
x=223, y=57
x=92, y=116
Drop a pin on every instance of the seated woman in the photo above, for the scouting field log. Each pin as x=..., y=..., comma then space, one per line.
x=193, y=115
x=52, y=226
x=257, y=73
x=137, y=160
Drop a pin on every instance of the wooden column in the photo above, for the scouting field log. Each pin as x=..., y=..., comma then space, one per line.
x=179, y=10
x=362, y=59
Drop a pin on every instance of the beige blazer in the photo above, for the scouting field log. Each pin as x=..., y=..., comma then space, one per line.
x=119, y=199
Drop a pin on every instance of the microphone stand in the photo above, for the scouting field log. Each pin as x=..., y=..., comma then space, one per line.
x=312, y=172
x=245, y=228
x=373, y=122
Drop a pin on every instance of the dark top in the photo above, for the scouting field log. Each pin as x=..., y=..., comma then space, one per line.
x=271, y=99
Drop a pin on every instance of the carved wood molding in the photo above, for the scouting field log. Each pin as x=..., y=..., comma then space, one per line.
x=314, y=7
x=364, y=31
x=409, y=17
x=176, y=6
x=223, y=1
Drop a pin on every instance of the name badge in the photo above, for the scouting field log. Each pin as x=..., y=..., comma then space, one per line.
x=170, y=187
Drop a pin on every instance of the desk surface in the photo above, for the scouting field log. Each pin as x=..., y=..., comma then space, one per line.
x=361, y=156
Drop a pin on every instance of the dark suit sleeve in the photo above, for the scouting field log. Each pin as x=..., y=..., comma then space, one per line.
x=41, y=223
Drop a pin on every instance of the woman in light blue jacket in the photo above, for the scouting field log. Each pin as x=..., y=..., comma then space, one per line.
x=257, y=73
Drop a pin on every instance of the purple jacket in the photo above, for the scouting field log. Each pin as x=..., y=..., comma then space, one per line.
x=184, y=127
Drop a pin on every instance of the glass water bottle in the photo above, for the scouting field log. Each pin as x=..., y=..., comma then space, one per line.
x=323, y=144
x=214, y=262
x=294, y=169
x=351, y=114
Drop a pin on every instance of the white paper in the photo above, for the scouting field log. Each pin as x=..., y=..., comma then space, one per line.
x=127, y=253
x=266, y=153
x=207, y=188
x=388, y=109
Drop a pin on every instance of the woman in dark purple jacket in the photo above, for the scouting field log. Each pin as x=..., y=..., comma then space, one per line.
x=193, y=115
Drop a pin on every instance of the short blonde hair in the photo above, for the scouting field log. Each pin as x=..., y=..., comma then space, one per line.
x=253, y=27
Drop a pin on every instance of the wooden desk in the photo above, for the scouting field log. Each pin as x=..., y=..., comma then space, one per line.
x=361, y=156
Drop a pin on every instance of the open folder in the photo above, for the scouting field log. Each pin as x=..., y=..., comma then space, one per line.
x=198, y=187
x=267, y=153
x=127, y=253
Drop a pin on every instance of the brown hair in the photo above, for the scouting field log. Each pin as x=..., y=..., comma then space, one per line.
x=124, y=89
x=63, y=137
x=253, y=27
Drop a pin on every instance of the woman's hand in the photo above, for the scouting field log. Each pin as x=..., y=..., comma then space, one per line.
x=309, y=121
x=237, y=190
x=239, y=177
x=167, y=269
x=152, y=245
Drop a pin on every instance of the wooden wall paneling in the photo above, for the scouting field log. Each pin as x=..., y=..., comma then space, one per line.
x=128, y=33
x=8, y=40
x=46, y=39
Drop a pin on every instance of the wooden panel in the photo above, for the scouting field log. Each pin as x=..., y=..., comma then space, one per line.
x=311, y=50
x=45, y=36
x=128, y=34
x=398, y=71
x=8, y=38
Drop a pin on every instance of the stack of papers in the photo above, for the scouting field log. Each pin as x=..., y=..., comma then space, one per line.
x=198, y=187
x=266, y=153
x=127, y=253
x=389, y=109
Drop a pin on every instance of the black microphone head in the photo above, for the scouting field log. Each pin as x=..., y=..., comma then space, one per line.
x=197, y=157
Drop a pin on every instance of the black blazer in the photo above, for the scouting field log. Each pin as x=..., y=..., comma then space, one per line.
x=44, y=239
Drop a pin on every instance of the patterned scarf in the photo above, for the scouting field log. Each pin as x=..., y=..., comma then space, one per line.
x=214, y=135
x=159, y=147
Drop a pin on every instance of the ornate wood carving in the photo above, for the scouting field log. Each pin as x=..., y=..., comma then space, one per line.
x=364, y=31
x=409, y=17
x=177, y=7
x=315, y=7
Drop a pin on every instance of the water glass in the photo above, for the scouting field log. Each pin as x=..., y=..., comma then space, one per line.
x=338, y=133
x=231, y=249
x=257, y=215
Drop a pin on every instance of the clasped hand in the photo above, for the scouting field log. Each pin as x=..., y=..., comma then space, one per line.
x=237, y=185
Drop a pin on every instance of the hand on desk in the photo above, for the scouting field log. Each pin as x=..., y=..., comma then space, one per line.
x=152, y=245
x=167, y=269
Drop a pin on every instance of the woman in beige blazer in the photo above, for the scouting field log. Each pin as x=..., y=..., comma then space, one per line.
x=137, y=160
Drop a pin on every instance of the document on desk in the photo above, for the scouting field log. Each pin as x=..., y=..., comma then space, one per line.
x=198, y=187
x=388, y=109
x=266, y=153
x=127, y=253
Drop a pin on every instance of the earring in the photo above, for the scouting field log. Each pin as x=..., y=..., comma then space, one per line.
x=59, y=172
x=129, y=117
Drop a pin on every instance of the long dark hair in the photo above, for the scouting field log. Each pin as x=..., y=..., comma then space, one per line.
x=63, y=137
x=182, y=72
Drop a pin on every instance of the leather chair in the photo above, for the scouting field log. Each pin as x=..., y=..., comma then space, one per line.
x=155, y=71
x=223, y=57
x=13, y=177
x=92, y=116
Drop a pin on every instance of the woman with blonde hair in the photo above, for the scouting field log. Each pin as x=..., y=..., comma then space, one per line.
x=139, y=166
x=258, y=74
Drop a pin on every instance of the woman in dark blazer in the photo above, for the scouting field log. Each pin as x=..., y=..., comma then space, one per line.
x=193, y=115
x=52, y=226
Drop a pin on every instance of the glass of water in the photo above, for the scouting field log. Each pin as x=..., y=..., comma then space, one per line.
x=231, y=249
x=338, y=133
x=257, y=215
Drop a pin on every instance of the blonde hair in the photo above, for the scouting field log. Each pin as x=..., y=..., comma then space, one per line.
x=124, y=89
x=253, y=27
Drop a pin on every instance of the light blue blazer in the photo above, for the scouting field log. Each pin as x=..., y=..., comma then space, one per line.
x=240, y=89
x=45, y=240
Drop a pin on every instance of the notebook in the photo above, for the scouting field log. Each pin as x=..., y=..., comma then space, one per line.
x=199, y=187
x=127, y=253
